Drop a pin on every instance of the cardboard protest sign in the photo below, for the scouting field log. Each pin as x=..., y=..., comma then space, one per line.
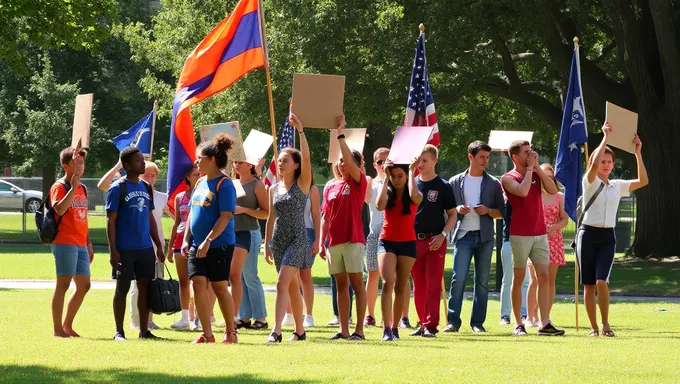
x=354, y=137
x=624, y=127
x=239, y=188
x=408, y=143
x=318, y=99
x=82, y=119
x=256, y=146
x=208, y=132
x=501, y=140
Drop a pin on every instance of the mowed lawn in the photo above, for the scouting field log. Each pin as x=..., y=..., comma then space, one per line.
x=629, y=276
x=648, y=336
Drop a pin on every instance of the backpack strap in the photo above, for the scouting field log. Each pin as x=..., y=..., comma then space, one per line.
x=590, y=202
x=123, y=192
x=217, y=189
x=149, y=190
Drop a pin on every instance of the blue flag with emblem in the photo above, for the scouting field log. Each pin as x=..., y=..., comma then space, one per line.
x=574, y=133
x=139, y=135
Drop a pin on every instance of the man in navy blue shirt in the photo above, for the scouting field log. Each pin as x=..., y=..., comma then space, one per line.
x=130, y=228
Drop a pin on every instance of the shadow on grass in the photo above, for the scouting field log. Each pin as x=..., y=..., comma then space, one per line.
x=42, y=374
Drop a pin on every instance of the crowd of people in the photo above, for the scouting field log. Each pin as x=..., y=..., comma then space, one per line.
x=391, y=228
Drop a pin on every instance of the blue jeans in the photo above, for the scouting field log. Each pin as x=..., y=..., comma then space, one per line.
x=464, y=250
x=252, y=304
x=506, y=291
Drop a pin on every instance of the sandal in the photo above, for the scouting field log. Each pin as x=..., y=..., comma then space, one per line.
x=608, y=333
x=259, y=325
x=356, y=337
x=274, y=338
x=594, y=333
x=242, y=324
x=297, y=337
x=228, y=337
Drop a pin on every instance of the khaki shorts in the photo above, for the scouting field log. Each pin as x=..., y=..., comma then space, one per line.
x=347, y=257
x=524, y=248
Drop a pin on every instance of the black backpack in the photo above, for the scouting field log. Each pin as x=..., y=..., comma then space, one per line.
x=45, y=217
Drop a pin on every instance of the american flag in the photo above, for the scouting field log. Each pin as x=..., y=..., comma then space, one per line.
x=420, y=106
x=287, y=140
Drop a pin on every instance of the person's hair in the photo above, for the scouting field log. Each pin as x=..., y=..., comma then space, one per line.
x=188, y=173
x=391, y=191
x=432, y=150
x=515, y=147
x=380, y=151
x=66, y=155
x=127, y=154
x=477, y=145
x=336, y=171
x=358, y=157
x=553, y=171
x=609, y=151
x=218, y=148
x=296, y=155
x=151, y=165
x=252, y=171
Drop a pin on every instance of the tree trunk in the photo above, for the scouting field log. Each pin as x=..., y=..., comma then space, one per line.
x=49, y=175
x=657, y=233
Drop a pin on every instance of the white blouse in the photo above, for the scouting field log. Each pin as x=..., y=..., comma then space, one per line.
x=603, y=211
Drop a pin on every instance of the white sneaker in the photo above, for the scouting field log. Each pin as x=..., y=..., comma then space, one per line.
x=134, y=326
x=181, y=324
x=196, y=326
x=288, y=320
x=334, y=322
x=153, y=325
x=309, y=321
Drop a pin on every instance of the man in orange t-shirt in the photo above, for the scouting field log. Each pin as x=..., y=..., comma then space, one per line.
x=71, y=247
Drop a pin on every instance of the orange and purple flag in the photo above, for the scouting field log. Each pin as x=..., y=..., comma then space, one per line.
x=232, y=49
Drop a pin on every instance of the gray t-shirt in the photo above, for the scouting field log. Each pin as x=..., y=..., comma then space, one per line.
x=244, y=222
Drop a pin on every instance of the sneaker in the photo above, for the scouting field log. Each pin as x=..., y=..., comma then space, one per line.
x=334, y=322
x=550, y=330
x=405, y=323
x=369, y=321
x=418, y=332
x=197, y=324
x=120, y=336
x=203, y=339
x=478, y=329
x=387, y=335
x=288, y=320
x=309, y=321
x=181, y=324
x=395, y=333
x=339, y=336
x=357, y=337
x=520, y=331
x=451, y=329
x=505, y=321
x=428, y=332
x=228, y=339
x=153, y=325
x=149, y=336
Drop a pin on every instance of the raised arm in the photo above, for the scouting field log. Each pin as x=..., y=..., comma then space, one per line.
x=105, y=182
x=413, y=191
x=547, y=182
x=305, y=181
x=369, y=190
x=347, y=157
x=642, y=179
x=381, y=200
x=598, y=154
x=518, y=189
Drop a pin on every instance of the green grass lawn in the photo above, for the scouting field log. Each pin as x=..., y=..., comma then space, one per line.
x=629, y=276
x=647, y=335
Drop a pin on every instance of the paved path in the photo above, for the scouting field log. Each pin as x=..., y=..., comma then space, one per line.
x=324, y=290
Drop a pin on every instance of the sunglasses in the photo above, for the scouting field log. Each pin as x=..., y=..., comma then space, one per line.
x=380, y=162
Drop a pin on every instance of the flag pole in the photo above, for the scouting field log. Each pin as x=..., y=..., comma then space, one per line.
x=576, y=268
x=153, y=127
x=269, y=84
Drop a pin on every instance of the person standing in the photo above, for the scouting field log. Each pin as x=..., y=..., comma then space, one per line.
x=596, y=243
x=480, y=201
x=71, y=247
x=209, y=237
x=528, y=233
x=431, y=231
x=506, y=260
x=132, y=234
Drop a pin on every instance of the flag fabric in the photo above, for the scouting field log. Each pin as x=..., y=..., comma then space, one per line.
x=420, y=105
x=287, y=140
x=232, y=49
x=138, y=136
x=574, y=133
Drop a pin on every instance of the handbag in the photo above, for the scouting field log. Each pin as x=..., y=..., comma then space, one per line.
x=164, y=295
x=581, y=214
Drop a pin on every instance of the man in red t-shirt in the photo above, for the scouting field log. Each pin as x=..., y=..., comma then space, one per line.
x=341, y=222
x=71, y=247
x=528, y=234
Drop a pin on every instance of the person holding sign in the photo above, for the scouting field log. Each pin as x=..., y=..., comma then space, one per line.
x=286, y=235
x=596, y=242
x=246, y=287
x=209, y=236
x=528, y=233
x=342, y=205
x=399, y=199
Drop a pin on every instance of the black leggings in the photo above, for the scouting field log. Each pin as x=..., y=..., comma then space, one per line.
x=595, y=251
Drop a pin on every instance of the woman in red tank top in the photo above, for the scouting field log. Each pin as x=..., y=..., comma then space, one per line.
x=399, y=199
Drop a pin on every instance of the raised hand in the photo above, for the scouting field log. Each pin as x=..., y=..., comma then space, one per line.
x=638, y=144
x=295, y=122
x=606, y=129
x=341, y=124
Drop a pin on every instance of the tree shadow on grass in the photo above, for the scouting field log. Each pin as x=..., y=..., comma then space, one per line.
x=42, y=374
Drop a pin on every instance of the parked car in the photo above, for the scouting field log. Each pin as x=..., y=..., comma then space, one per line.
x=15, y=198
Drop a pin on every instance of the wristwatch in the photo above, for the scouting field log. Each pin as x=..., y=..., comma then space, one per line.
x=443, y=233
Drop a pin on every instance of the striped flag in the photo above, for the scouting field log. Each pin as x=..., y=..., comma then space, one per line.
x=420, y=105
x=287, y=140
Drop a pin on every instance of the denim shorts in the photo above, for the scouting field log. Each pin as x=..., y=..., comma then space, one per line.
x=310, y=238
x=242, y=240
x=71, y=260
x=399, y=248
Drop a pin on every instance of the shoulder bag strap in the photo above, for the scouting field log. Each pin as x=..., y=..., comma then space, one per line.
x=590, y=202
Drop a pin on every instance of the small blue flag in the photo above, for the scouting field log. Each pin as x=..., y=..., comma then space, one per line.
x=568, y=167
x=139, y=135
